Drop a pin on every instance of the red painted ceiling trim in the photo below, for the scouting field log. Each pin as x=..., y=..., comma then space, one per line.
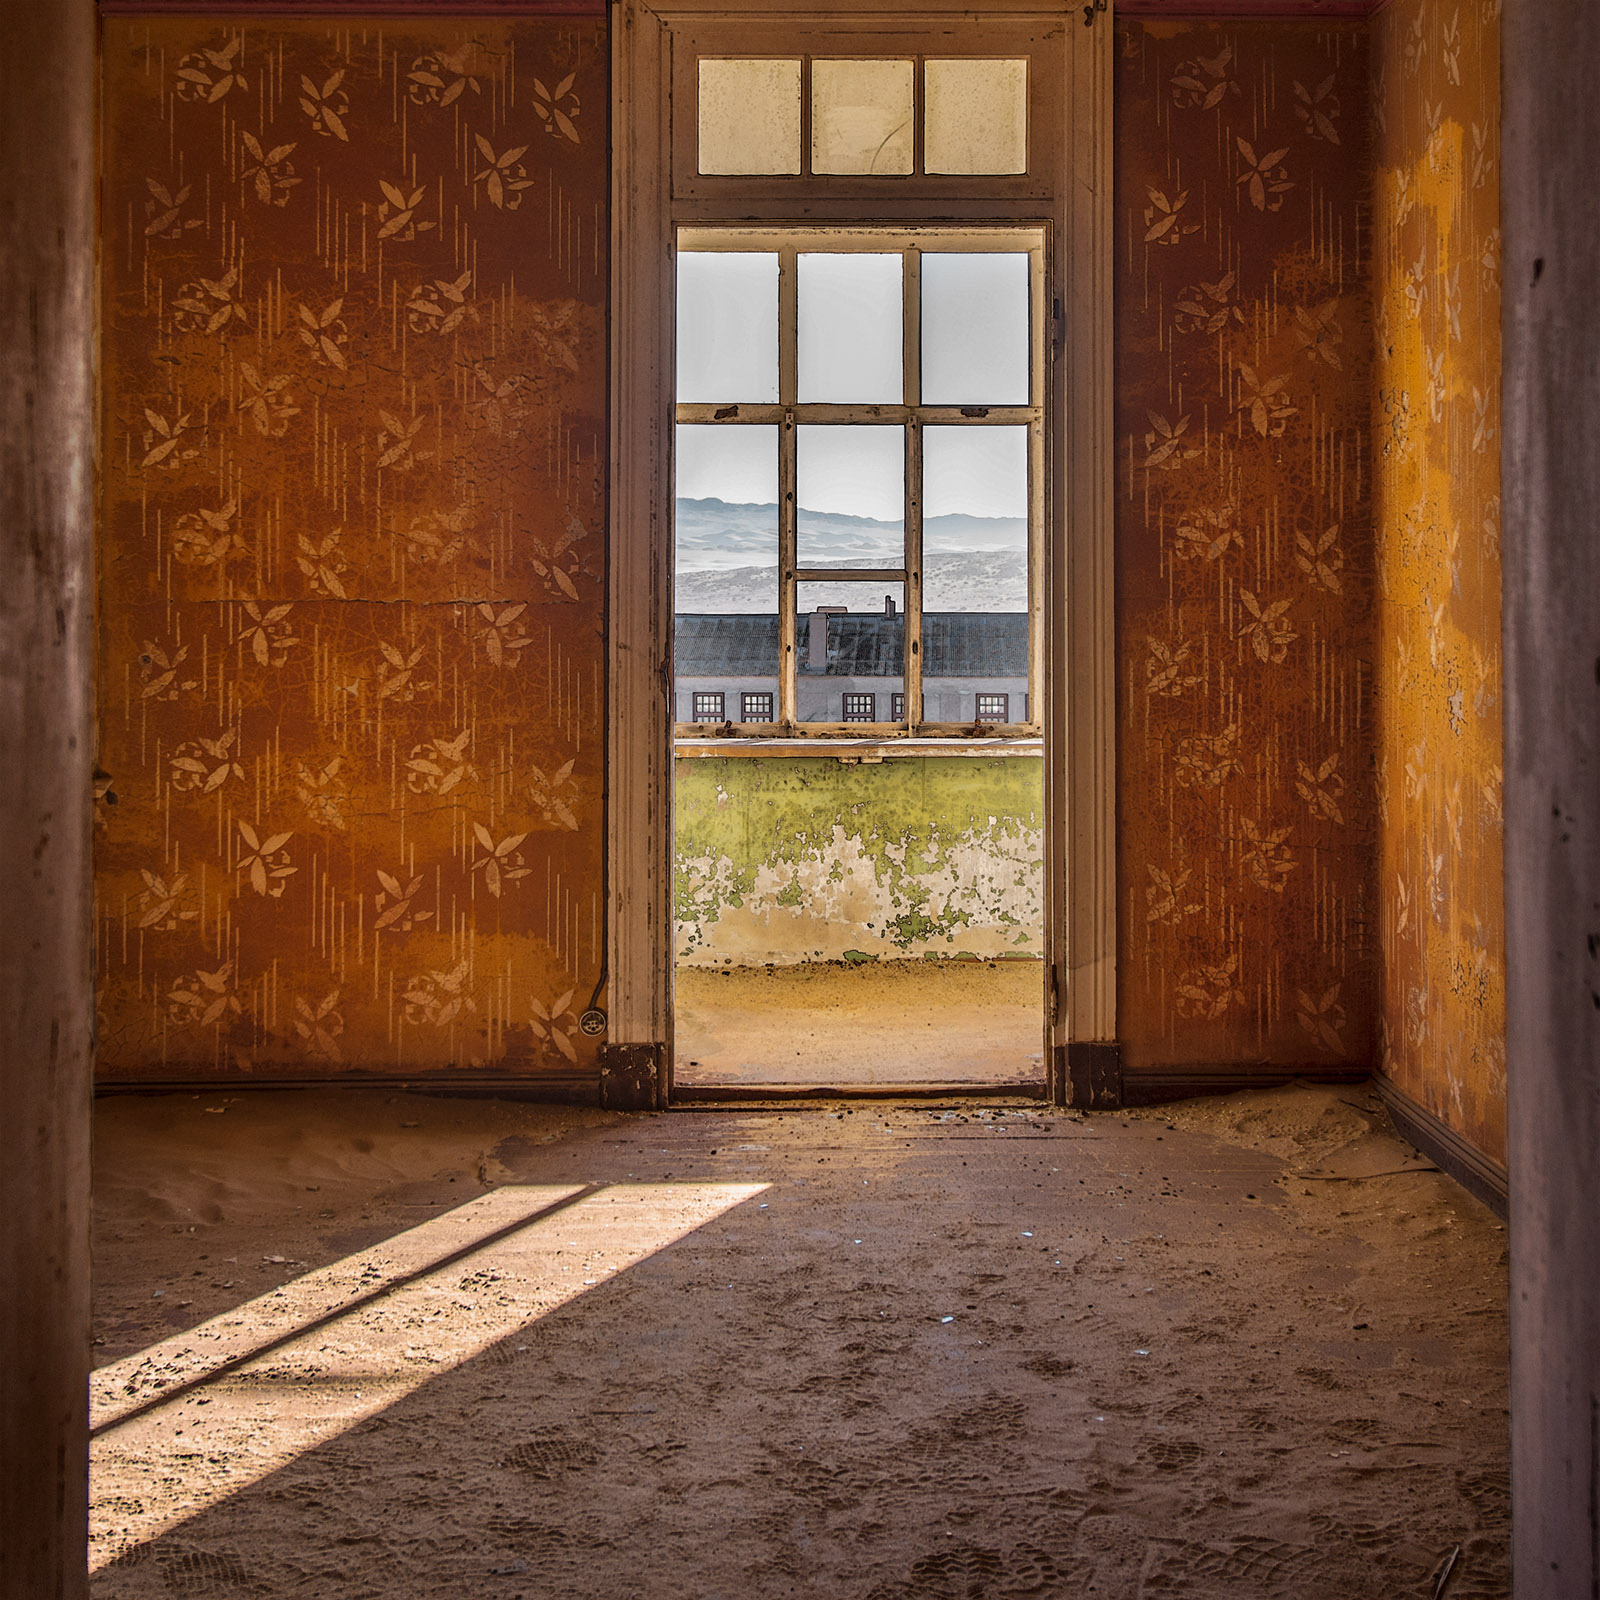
x=1251, y=10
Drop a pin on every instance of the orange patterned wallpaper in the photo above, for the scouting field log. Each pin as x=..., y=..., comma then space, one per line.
x=352, y=554
x=1437, y=485
x=1247, y=821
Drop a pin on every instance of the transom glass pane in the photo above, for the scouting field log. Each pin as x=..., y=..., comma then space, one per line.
x=727, y=327
x=975, y=330
x=850, y=335
x=850, y=484
x=749, y=117
x=975, y=116
x=975, y=521
x=861, y=116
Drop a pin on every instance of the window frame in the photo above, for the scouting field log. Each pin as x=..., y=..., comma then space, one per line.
x=788, y=413
x=1003, y=720
x=747, y=695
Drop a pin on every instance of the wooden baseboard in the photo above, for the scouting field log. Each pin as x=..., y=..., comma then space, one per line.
x=566, y=1088
x=1441, y=1144
x=1154, y=1086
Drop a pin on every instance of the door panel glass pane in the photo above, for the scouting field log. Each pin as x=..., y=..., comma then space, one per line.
x=975, y=116
x=975, y=571
x=975, y=330
x=727, y=326
x=749, y=117
x=850, y=485
x=861, y=116
x=726, y=521
x=851, y=333
x=849, y=641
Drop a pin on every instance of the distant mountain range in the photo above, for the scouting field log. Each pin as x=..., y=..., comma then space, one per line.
x=727, y=559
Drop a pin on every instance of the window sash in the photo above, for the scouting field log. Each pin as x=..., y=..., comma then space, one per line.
x=789, y=414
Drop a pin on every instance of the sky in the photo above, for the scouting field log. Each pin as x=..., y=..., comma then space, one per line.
x=974, y=352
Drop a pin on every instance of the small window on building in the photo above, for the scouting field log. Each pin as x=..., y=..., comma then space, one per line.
x=897, y=708
x=993, y=708
x=860, y=708
x=755, y=708
x=708, y=707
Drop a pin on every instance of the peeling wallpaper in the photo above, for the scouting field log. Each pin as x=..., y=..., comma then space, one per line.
x=796, y=859
x=1246, y=814
x=1437, y=483
x=352, y=552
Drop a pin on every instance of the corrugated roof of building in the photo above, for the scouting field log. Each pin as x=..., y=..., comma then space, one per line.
x=957, y=644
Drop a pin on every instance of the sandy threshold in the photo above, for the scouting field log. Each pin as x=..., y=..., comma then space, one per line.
x=1249, y=1347
x=877, y=1022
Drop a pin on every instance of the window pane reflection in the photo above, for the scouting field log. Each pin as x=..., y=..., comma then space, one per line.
x=850, y=644
x=851, y=339
x=749, y=117
x=727, y=326
x=861, y=116
x=726, y=519
x=976, y=116
x=975, y=329
x=850, y=485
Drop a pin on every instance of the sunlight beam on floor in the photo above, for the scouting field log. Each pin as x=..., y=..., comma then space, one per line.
x=162, y=1466
x=128, y=1385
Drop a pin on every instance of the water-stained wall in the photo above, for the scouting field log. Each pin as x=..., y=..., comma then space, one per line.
x=801, y=859
x=1436, y=109
x=352, y=549
x=1246, y=815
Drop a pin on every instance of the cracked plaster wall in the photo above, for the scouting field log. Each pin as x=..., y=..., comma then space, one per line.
x=794, y=859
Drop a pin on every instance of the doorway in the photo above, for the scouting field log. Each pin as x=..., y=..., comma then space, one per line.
x=739, y=122
x=859, y=464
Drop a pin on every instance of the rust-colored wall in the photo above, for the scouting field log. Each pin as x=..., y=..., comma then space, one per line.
x=1437, y=486
x=352, y=552
x=1244, y=534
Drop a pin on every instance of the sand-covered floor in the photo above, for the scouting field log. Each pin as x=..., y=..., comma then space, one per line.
x=841, y=1025
x=1244, y=1348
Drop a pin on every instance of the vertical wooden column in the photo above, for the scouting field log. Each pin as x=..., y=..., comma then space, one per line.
x=47, y=257
x=636, y=1060
x=1552, y=643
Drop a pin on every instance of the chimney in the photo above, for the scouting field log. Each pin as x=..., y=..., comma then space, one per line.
x=888, y=605
x=817, y=652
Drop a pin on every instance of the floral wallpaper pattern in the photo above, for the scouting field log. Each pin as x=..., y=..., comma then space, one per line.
x=1440, y=771
x=1247, y=816
x=352, y=553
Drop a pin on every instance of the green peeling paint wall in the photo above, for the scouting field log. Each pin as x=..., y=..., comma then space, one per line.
x=802, y=859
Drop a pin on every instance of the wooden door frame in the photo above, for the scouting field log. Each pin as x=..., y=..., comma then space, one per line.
x=1079, y=658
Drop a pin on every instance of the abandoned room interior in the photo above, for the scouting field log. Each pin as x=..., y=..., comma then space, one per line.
x=805, y=797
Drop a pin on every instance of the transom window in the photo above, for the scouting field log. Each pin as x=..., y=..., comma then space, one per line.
x=859, y=471
x=796, y=116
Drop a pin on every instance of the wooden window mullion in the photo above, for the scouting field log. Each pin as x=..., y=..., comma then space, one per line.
x=911, y=291
x=788, y=503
